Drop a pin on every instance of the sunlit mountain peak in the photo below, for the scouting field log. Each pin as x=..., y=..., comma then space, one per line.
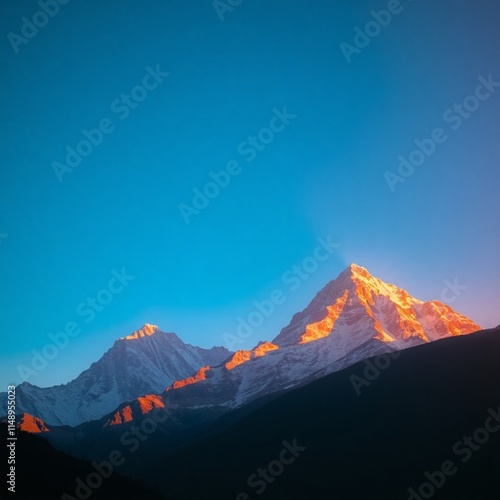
x=146, y=331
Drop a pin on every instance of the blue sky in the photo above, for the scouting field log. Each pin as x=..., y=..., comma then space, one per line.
x=321, y=175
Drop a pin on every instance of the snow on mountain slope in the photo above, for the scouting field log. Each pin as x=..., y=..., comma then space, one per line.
x=360, y=301
x=145, y=362
x=353, y=317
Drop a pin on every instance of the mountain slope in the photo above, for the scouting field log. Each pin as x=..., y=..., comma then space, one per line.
x=354, y=317
x=358, y=302
x=147, y=361
x=31, y=424
x=373, y=446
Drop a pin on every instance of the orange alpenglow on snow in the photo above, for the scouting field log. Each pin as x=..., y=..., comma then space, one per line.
x=241, y=357
x=357, y=301
x=197, y=377
x=32, y=424
x=126, y=414
x=150, y=402
x=451, y=322
x=121, y=417
x=323, y=328
x=146, y=331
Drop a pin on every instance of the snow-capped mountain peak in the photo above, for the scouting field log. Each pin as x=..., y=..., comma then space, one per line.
x=144, y=362
x=146, y=331
x=359, y=302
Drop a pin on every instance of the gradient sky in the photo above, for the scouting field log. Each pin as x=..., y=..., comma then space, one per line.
x=321, y=176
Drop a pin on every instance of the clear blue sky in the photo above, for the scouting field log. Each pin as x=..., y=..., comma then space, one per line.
x=321, y=175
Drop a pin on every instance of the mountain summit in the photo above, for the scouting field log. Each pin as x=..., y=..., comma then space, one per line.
x=146, y=331
x=144, y=362
x=356, y=302
x=354, y=317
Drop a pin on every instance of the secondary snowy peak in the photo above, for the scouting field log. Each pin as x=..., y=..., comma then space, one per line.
x=359, y=302
x=145, y=362
x=146, y=331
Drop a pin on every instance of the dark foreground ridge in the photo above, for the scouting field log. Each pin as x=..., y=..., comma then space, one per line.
x=44, y=473
x=411, y=419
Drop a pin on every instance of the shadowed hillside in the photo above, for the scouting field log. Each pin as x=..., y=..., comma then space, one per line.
x=372, y=446
x=42, y=472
